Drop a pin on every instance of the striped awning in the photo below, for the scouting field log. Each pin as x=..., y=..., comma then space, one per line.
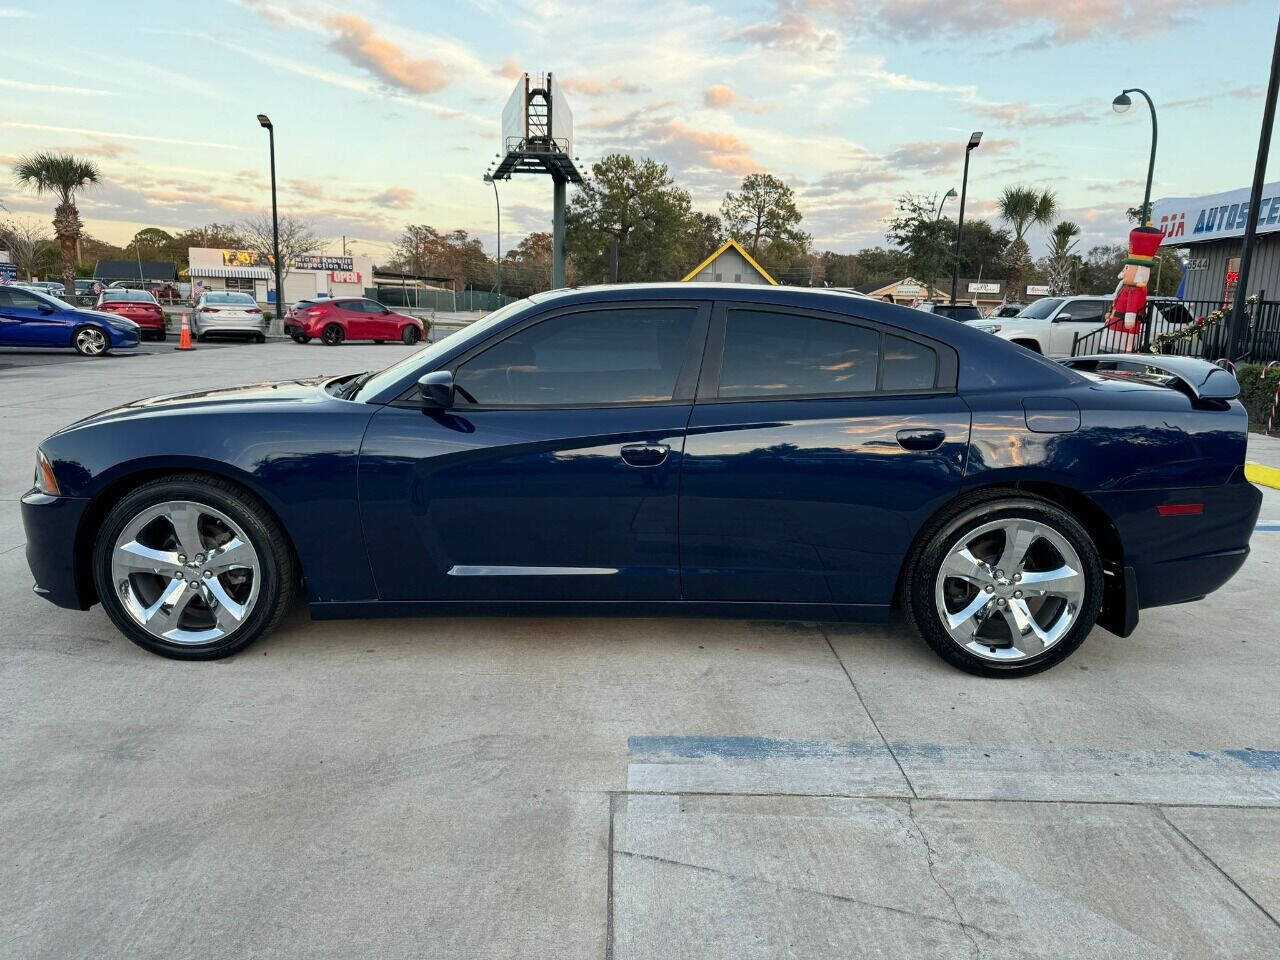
x=254, y=273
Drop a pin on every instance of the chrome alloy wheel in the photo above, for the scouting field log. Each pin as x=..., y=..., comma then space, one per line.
x=1010, y=589
x=185, y=572
x=91, y=341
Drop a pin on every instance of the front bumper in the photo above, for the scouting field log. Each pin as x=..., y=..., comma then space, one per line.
x=52, y=526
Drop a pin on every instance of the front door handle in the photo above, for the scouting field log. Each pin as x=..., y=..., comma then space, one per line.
x=645, y=454
x=920, y=439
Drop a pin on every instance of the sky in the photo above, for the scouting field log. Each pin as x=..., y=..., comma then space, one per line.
x=389, y=113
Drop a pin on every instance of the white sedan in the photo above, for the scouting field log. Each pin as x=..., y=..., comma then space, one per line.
x=222, y=311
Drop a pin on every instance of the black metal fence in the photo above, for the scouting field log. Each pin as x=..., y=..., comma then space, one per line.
x=1191, y=328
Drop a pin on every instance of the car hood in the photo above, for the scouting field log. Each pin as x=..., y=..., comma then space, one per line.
x=271, y=395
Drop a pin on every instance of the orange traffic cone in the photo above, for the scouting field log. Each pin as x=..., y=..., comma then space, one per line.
x=184, y=339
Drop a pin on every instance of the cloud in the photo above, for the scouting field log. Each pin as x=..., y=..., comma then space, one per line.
x=13, y=13
x=357, y=41
x=397, y=198
x=718, y=96
x=1045, y=115
x=54, y=88
x=109, y=134
x=101, y=148
x=596, y=88
x=938, y=156
x=509, y=69
x=1217, y=96
x=793, y=31
x=851, y=181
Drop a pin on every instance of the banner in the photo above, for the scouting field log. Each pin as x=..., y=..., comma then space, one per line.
x=325, y=264
x=245, y=258
x=1215, y=217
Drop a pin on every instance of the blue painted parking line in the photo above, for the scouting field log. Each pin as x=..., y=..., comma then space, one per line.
x=1267, y=528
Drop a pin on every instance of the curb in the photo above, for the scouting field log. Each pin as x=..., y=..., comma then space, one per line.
x=1262, y=475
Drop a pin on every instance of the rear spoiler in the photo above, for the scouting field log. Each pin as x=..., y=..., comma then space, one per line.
x=1200, y=379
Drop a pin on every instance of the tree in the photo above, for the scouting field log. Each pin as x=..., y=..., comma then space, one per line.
x=62, y=175
x=30, y=245
x=704, y=235
x=426, y=251
x=1061, y=263
x=635, y=204
x=982, y=248
x=1020, y=207
x=297, y=239
x=763, y=217
x=927, y=240
x=527, y=268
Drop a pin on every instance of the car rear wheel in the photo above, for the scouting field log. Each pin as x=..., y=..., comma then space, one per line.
x=409, y=336
x=193, y=568
x=332, y=335
x=301, y=338
x=90, y=342
x=259, y=338
x=1004, y=585
x=162, y=335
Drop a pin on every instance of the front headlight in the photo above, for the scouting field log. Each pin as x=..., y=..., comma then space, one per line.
x=45, y=481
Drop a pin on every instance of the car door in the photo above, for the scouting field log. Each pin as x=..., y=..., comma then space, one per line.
x=382, y=320
x=555, y=474
x=1077, y=317
x=29, y=320
x=818, y=445
x=352, y=316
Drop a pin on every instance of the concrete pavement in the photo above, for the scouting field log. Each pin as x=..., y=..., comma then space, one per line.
x=619, y=788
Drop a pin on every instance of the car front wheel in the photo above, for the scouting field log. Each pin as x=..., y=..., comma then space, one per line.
x=1004, y=585
x=90, y=342
x=409, y=336
x=193, y=567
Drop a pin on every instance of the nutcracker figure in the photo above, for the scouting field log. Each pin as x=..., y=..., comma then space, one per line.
x=1131, y=293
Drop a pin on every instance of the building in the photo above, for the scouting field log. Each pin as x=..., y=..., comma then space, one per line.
x=159, y=271
x=248, y=271
x=730, y=264
x=1209, y=229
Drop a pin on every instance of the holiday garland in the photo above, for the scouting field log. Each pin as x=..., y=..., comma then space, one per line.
x=1215, y=319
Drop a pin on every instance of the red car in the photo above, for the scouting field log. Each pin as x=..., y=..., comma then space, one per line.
x=138, y=306
x=334, y=321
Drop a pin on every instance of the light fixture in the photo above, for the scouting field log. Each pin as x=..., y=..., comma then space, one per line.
x=950, y=193
x=264, y=121
x=975, y=138
x=1121, y=103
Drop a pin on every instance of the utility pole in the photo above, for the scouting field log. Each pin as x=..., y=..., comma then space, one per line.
x=1236, y=329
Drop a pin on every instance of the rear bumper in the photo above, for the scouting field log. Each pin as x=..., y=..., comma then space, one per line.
x=1175, y=559
x=51, y=525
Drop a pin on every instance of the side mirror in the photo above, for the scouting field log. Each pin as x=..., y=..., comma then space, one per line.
x=1062, y=316
x=436, y=389
x=45, y=308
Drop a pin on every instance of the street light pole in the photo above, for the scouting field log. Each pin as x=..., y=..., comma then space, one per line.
x=975, y=138
x=942, y=203
x=1120, y=104
x=277, y=321
x=498, y=207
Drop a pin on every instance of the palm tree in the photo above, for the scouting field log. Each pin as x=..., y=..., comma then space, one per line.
x=60, y=174
x=1061, y=245
x=1020, y=207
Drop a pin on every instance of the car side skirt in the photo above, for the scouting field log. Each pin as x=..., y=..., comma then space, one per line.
x=367, y=609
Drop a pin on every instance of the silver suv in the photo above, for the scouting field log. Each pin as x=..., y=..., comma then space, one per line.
x=1050, y=326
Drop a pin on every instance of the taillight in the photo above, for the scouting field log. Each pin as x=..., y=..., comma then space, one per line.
x=316, y=312
x=253, y=310
x=208, y=310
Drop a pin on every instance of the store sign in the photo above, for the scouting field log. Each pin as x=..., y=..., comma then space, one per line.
x=245, y=258
x=8, y=272
x=1037, y=290
x=908, y=290
x=345, y=276
x=1197, y=263
x=312, y=261
x=1220, y=215
x=984, y=288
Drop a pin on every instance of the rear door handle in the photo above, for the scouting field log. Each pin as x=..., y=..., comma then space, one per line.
x=645, y=454
x=920, y=439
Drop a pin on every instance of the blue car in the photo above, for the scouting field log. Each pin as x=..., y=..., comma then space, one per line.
x=652, y=450
x=29, y=318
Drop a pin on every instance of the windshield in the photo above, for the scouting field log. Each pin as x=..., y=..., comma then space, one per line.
x=422, y=358
x=243, y=298
x=1041, y=309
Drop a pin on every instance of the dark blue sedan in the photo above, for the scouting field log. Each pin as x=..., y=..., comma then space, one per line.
x=655, y=450
x=32, y=319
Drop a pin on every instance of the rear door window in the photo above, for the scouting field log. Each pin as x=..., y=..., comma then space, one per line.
x=770, y=354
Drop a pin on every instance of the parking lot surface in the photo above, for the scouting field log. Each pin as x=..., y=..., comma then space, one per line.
x=627, y=788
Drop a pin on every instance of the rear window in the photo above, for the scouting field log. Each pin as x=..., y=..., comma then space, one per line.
x=240, y=298
x=961, y=312
x=133, y=296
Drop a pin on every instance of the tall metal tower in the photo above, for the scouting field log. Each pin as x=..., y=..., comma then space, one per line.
x=537, y=137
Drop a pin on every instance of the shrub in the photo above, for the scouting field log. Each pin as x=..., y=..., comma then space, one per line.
x=1257, y=392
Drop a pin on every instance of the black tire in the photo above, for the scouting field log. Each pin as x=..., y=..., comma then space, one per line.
x=332, y=335
x=84, y=338
x=162, y=336
x=300, y=338
x=379, y=342
x=259, y=338
x=1031, y=345
x=409, y=336
x=276, y=592
x=967, y=513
